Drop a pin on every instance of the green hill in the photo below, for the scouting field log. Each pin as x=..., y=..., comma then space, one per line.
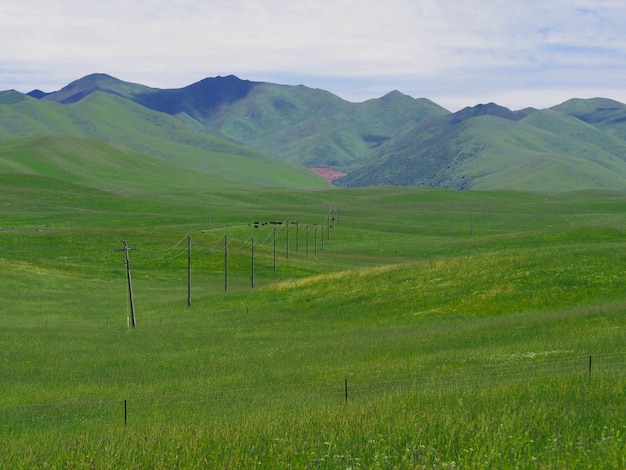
x=605, y=114
x=92, y=163
x=315, y=128
x=122, y=122
x=436, y=329
x=393, y=140
x=309, y=127
x=494, y=148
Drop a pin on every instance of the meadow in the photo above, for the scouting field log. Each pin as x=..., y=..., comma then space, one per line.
x=425, y=329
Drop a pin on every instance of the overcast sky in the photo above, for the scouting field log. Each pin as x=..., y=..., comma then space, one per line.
x=458, y=53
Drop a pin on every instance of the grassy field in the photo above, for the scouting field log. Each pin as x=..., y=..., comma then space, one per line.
x=432, y=329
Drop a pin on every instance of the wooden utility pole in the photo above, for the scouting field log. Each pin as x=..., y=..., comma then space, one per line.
x=287, y=242
x=327, y=224
x=126, y=249
x=252, y=274
x=189, y=269
x=225, y=263
x=274, y=248
x=297, y=236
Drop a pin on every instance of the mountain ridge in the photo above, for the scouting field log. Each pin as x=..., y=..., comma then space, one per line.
x=394, y=139
x=118, y=121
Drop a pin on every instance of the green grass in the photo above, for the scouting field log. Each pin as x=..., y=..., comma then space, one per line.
x=461, y=322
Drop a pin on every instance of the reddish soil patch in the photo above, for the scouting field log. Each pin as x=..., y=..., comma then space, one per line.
x=328, y=173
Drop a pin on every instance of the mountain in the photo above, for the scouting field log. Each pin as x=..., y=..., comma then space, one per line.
x=491, y=147
x=113, y=119
x=607, y=115
x=392, y=140
x=305, y=126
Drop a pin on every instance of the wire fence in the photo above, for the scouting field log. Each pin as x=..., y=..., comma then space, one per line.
x=352, y=388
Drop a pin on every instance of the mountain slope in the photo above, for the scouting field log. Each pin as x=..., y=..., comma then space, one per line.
x=79, y=89
x=317, y=129
x=117, y=120
x=393, y=140
x=95, y=164
x=302, y=125
x=605, y=114
x=489, y=147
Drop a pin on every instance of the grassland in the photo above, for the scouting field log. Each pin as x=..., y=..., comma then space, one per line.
x=435, y=329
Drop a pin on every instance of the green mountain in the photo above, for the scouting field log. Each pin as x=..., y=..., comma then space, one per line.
x=116, y=120
x=607, y=115
x=490, y=147
x=393, y=140
x=309, y=127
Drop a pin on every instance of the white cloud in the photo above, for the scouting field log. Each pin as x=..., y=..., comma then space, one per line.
x=451, y=50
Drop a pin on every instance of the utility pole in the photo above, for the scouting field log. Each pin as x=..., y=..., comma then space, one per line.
x=297, y=236
x=225, y=263
x=274, y=248
x=328, y=225
x=126, y=249
x=189, y=270
x=252, y=275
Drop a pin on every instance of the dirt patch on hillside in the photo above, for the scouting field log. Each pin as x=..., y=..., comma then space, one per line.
x=329, y=174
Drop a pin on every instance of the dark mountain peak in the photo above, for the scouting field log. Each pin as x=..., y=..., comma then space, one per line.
x=229, y=86
x=199, y=99
x=38, y=94
x=223, y=79
x=489, y=109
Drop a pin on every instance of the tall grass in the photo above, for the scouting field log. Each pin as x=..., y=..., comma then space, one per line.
x=463, y=349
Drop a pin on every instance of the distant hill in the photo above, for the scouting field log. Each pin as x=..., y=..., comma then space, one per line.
x=490, y=147
x=309, y=127
x=113, y=119
x=95, y=164
x=220, y=125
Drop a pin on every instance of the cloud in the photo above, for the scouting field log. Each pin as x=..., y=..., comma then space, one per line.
x=449, y=50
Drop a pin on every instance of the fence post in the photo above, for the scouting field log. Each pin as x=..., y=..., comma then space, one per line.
x=125, y=412
x=346, y=389
x=589, y=366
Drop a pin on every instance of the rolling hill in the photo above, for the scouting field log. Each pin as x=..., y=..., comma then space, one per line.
x=115, y=120
x=95, y=164
x=490, y=147
x=227, y=126
x=306, y=126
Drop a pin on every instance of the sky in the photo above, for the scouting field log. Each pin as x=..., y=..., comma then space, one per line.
x=457, y=53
